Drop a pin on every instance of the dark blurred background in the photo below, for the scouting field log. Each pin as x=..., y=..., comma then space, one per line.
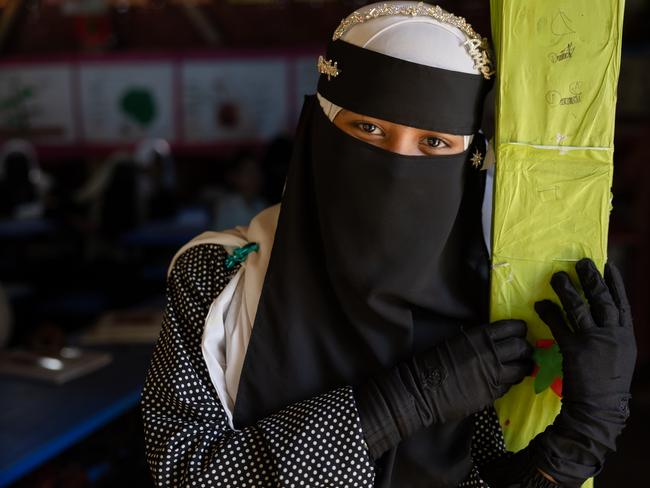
x=129, y=126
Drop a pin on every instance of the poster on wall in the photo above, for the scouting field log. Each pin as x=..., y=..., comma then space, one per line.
x=36, y=103
x=227, y=101
x=125, y=102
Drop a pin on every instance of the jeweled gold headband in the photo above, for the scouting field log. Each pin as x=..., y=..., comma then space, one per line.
x=476, y=46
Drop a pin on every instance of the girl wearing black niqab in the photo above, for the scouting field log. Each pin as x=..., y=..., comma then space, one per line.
x=337, y=340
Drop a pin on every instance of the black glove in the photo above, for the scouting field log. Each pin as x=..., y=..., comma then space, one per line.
x=451, y=381
x=598, y=360
x=598, y=351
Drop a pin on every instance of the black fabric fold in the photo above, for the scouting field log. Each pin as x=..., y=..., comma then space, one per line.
x=515, y=470
x=376, y=255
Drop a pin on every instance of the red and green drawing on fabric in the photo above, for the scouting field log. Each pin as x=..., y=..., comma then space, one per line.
x=548, y=366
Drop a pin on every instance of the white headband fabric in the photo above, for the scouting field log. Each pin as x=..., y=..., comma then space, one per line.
x=420, y=39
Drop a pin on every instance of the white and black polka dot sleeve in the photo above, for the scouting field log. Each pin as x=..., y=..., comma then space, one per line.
x=316, y=442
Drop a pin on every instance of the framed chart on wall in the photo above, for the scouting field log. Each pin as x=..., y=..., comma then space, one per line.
x=36, y=101
x=126, y=101
x=194, y=101
x=230, y=100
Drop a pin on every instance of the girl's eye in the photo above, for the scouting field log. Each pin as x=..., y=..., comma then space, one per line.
x=369, y=128
x=435, y=142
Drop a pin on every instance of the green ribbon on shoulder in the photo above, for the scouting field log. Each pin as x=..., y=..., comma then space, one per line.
x=239, y=254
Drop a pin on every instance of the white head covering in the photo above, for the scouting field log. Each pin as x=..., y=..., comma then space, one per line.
x=40, y=181
x=26, y=148
x=419, y=39
x=147, y=150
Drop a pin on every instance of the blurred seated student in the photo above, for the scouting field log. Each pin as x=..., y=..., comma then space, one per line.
x=156, y=180
x=108, y=201
x=22, y=183
x=242, y=198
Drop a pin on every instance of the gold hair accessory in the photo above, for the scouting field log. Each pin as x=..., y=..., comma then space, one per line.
x=476, y=46
x=328, y=68
x=477, y=159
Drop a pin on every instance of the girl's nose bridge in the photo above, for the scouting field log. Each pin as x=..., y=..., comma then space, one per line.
x=402, y=141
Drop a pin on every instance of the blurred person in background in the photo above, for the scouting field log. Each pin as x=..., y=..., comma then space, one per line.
x=340, y=339
x=126, y=190
x=242, y=198
x=109, y=201
x=23, y=185
x=156, y=180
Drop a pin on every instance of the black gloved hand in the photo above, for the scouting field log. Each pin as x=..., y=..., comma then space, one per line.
x=451, y=381
x=598, y=355
x=468, y=372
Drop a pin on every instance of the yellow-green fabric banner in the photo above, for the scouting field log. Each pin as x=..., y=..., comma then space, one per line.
x=557, y=72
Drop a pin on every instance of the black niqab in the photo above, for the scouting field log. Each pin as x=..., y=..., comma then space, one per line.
x=376, y=255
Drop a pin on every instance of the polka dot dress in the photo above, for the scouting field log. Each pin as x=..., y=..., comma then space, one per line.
x=487, y=440
x=487, y=445
x=313, y=443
